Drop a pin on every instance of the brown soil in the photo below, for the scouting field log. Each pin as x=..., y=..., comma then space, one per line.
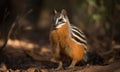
x=23, y=56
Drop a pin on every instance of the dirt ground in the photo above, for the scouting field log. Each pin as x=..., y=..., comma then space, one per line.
x=23, y=56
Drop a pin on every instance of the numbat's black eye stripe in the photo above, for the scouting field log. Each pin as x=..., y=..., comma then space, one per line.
x=60, y=20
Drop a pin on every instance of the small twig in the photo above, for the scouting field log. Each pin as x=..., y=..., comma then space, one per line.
x=6, y=13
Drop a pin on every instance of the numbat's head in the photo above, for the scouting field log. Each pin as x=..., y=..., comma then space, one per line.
x=60, y=18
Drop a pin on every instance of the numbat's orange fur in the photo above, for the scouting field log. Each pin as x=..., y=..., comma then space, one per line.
x=62, y=42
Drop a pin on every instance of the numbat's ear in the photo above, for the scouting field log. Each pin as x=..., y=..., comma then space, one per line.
x=55, y=12
x=64, y=12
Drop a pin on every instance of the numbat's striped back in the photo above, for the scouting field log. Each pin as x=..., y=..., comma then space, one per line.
x=78, y=36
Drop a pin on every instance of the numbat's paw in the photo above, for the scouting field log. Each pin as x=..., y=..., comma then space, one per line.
x=58, y=68
x=70, y=67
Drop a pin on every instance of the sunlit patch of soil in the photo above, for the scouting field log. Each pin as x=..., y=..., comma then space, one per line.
x=21, y=44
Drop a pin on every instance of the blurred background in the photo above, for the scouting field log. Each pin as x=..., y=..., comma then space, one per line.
x=25, y=26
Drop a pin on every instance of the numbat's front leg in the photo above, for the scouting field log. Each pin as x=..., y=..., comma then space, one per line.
x=59, y=66
x=72, y=65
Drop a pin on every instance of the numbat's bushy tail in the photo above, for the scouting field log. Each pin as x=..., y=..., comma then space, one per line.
x=67, y=39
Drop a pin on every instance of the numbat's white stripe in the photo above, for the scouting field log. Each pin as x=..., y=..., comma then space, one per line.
x=78, y=31
x=73, y=30
x=60, y=25
x=78, y=36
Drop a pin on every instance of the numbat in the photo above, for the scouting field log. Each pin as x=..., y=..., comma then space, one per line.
x=66, y=39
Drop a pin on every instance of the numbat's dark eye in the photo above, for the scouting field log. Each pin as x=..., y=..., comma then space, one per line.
x=60, y=20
